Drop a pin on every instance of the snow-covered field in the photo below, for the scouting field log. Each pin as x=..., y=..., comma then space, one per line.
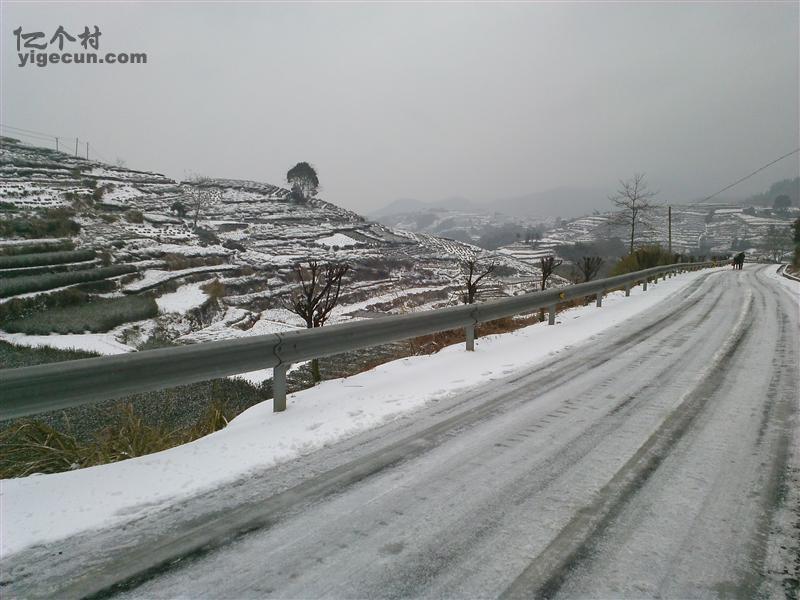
x=183, y=299
x=337, y=239
x=43, y=508
x=153, y=277
x=102, y=343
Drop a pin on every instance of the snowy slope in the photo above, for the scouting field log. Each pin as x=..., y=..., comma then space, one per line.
x=249, y=238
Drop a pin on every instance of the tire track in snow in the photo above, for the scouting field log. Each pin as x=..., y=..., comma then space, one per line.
x=544, y=576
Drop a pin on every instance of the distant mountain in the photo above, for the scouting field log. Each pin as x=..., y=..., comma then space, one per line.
x=558, y=202
x=405, y=206
x=400, y=206
x=788, y=187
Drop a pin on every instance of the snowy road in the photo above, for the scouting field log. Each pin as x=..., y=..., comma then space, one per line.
x=646, y=463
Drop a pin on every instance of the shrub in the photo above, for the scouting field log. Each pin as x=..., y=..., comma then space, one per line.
x=645, y=257
x=12, y=356
x=38, y=247
x=39, y=227
x=215, y=289
x=232, y=245
x=225, y=227
x=134, y=216
x=38, y=283
x=179, y=208
x=59, y=213
x=18, y=308
x=97, y=315
x=45, y=258
x=102, y=286
x=176, y=262
x=206, y=237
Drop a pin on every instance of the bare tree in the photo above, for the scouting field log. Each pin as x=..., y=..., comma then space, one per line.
x=548, y=265
x=317, y=296
x=589, y=267
x=473, y=273
x=634, y=201
x=200, y=194
x=777, y=242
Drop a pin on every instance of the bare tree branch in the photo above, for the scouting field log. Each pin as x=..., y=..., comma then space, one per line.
x=589, y=267
x=200, y=194
x=318, y=294
x=470, y=269
x=548, y=264
x=634, y=201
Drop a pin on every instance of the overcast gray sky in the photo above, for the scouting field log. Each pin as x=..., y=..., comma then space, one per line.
x=425, y=100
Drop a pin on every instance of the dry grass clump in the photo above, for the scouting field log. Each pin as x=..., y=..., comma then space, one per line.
x=31, y=446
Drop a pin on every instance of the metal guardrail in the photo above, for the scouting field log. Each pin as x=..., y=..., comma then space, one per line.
x=30, y=390
x=782, y=271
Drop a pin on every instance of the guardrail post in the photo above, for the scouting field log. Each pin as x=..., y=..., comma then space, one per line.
x=644, y=284
x=551, y=315
x=599, y=299
x=469, y=330
x=627, y=289
x=279, y=387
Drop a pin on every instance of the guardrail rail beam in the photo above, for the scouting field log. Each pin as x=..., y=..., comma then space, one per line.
x=26, y=391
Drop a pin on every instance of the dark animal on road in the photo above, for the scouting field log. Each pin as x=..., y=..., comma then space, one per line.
x=738, y=261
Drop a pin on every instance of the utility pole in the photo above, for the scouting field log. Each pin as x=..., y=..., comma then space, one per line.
x=56, y=144
x=76, y=146
x=87, y=150
x=669, y=220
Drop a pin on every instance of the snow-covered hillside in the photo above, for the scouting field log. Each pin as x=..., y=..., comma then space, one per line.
x=248, y=239
x=696, y=229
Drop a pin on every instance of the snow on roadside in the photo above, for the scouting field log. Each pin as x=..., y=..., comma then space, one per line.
x=261, y=375
x=184, y=299
x=44, y=508
x=102, y=343
x=790, y=285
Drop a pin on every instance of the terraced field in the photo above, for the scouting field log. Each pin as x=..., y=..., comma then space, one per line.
x=108, y=259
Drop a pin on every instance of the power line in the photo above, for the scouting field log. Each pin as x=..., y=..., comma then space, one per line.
x=30, y=135
x=33, y=132
x=50, y=137
x=737, y=182
x=98, y=155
